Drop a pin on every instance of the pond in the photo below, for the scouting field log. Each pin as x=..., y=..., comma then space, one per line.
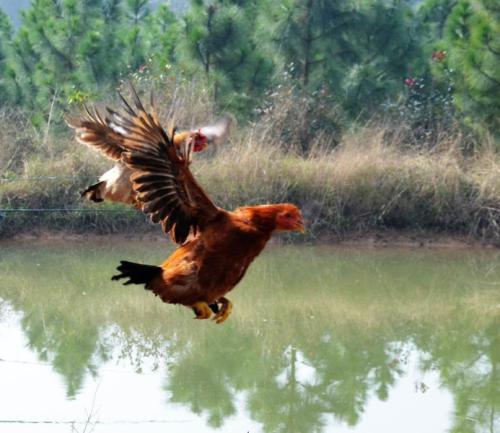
x=321, y=339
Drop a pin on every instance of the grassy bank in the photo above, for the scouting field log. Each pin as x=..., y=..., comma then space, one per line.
x=366, y=182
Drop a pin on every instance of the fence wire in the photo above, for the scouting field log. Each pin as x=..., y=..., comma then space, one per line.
x=5, y=211
x=20, y=210
x=146, y=421
x=33, y=178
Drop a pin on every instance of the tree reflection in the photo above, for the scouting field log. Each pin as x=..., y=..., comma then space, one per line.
x=291, y=373
x=469, y=365
x=210, y=371
x=282, y=400
x=70, y=349
x=291, y=384
x=351, y=369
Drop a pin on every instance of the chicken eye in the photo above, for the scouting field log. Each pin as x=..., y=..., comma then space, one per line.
x=288, y=215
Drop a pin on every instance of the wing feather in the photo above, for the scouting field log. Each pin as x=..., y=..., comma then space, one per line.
x=93, y=131
x=166, y=193
x=165, y=186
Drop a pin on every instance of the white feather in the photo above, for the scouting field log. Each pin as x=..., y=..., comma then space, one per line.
x=217, y=132
x=111, y=176
x=117, y=128
x=118, y=186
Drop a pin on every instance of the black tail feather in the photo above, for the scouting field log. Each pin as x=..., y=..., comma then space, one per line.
x=136, y=273
x=93, y=192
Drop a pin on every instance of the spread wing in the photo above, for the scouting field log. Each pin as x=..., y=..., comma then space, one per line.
x=106, y=136
x=165, y=187
x=95, y=131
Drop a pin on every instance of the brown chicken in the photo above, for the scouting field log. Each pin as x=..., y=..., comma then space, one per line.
x=105, y=135
x=216, y=246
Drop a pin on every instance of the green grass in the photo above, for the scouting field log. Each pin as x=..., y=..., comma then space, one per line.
x=367, y=182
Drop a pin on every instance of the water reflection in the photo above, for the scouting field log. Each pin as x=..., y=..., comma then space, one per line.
x=67, y=347
x=296, y=362
x=469, y=366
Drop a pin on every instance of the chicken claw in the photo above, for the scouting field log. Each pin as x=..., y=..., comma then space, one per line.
x=224, y=312
x=202, y=310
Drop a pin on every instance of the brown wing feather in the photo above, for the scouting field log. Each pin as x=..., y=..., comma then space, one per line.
x=165, y=187
x=93, y=130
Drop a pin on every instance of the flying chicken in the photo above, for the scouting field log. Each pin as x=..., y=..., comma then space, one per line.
x=105, y=136
x=215, y=246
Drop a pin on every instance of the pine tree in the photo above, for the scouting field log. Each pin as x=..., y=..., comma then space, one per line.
x=56, y=45
x=161, y=38
x=67, y=50
x=105, y=45
x=386, y=46
x=435, y=13
x=358, y=51
x=220, y=36
x=24, y=62
x=313, y=36
x=8, y=88
x=133, y=32
x=473, y=41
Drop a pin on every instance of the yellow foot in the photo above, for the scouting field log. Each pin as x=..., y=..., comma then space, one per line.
x=202, y=310
x=225, y=310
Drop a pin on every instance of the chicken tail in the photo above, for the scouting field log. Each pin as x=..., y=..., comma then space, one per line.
x=94, y=193
x=136, y=273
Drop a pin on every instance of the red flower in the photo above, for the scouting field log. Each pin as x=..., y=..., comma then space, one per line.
x=410, y=82
x=438, y=55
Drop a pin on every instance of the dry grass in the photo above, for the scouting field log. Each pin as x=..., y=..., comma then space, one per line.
x=363, y=183
x=366, y=182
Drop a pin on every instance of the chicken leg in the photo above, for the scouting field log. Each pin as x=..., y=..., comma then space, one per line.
x=225, y=311
x=202, y=310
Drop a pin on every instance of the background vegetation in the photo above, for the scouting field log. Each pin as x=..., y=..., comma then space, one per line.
x=367, y=114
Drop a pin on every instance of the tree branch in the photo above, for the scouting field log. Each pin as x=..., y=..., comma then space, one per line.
x=497, y=82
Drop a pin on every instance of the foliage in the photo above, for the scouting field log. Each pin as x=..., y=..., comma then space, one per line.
x=371, y=180
x=465, y=34
x=220, y=39
x=473, y=36
x=359, y=52
x=68, y=52
x=7, y=77
x=347, y=60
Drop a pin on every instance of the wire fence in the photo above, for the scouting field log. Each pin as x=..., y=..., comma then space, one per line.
x=20, y=210
x=22, y=362
x=33, y=178
x=146, y=421
x=67, y=213
x=85, y=422
x=5, y=211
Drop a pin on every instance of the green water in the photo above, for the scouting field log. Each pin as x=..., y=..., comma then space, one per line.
x=321, y=339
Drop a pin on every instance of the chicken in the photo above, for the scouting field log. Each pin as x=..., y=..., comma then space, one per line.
x=215, y=246
x=103, y=134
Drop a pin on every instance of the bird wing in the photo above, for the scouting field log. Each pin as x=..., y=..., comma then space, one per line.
x=106, y=136
x=165, y=187
x=94, y=130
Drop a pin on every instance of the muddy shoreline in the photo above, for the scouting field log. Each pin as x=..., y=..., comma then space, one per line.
x=369, y=239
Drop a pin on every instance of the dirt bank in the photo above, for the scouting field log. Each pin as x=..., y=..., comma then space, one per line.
x=369, y=239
